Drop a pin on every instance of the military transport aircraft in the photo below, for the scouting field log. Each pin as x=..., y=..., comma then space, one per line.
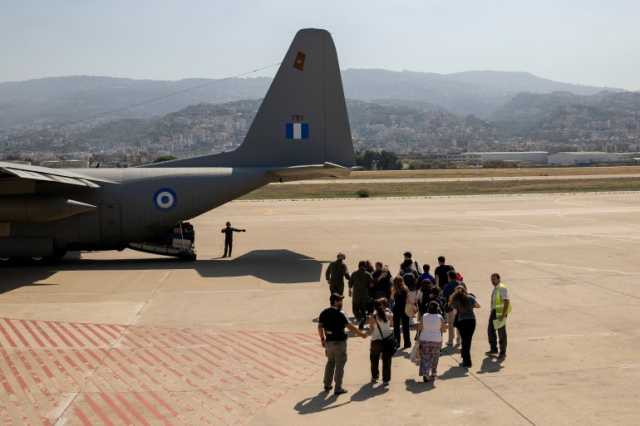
x=301, y=131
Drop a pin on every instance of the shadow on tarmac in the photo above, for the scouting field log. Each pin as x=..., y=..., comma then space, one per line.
x=274, y=266
x=416, y=387
x=454, y=372
x=325, y=401
x=367, y=391
x=321, y=402
x=490, y=365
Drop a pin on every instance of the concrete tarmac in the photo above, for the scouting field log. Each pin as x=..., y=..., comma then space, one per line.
x=129, y=338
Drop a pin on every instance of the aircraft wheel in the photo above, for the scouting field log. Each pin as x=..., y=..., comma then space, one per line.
x=188, y=257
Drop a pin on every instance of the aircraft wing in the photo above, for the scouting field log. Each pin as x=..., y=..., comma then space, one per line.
x=312, y=171
x=10, y=172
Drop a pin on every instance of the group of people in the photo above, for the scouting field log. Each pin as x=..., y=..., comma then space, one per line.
x=385, y=308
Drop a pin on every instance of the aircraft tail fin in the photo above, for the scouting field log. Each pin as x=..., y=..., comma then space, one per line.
x=302, y=119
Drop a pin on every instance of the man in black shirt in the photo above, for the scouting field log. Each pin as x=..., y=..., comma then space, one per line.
x=442, y=272
x=382, y=282
x=228, y=238
x=333, y=338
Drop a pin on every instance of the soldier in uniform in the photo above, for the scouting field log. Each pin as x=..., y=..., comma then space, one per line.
x=360, y=283
x=336, y=273
x=228, y=238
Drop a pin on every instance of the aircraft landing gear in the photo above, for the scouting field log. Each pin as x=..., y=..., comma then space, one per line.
x=178, y=243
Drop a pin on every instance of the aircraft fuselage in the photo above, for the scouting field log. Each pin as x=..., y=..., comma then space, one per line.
x=142, y=204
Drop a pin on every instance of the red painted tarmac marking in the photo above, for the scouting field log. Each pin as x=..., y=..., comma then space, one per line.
x=45, y=335
x=99, y=361
x=73, y=337
x=164, y=364
x=98, y=335
x=181, y=353
x=14, y=371
x=171, y=336
x=259, y=361
x=17, y=332
x=5, y=384
x=199, y=338
x=151, y=408
x=163, y=403
x=82, y=416
x=37, y=380
x=154, y=337
x=83, y=334
x=7, y=336
x=143, y=385
x=143, y=371
x=119, y=365
x=115, y=408
x=286, y=340
x=284, y=349
x=267, y=352
x=177, y=373
x=307, y=337
x=80, y=371
x=213, y=344
x=97, y=410
x=131, y=409
x=106, y=331
x=80, y=356
x=42, y=364
x=214, y=398
x=25, y=324
x=216, y=365
x=126, y=340
x=118, y=329
x=175, y=341
x=187, y=338
x=51, y=325
x=150, y=337
x=233, y=356
x=61, y=368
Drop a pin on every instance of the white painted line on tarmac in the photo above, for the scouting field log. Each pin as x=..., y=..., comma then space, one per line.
x=56, y=412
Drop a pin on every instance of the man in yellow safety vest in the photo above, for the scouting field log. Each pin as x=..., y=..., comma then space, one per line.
x=500, y=309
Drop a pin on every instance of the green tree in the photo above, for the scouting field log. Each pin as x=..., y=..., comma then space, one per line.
x=164, y=158
x=383, y=160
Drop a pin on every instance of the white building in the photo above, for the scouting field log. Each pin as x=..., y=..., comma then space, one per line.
x=586, y=158
x=65, y=164
x=524, y=157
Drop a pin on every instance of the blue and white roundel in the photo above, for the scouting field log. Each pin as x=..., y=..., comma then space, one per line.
x=165, y=199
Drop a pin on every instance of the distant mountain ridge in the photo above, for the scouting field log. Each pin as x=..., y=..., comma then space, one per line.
x=59, y=100
x=550, y=122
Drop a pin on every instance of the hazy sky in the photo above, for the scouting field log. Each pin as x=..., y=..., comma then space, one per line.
x=582, y=41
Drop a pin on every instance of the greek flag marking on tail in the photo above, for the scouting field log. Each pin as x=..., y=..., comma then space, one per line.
x=297, y=129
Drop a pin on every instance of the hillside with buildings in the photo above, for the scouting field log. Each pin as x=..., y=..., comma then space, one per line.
x=405, y=116
x=93, y=100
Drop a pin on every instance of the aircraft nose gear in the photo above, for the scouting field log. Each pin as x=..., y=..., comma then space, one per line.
x=180, y=243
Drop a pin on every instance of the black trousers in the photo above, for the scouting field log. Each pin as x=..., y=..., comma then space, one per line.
x=228, y=247
x=501, y=334
x=378, y=350
x=401, y=319
x=466, y=328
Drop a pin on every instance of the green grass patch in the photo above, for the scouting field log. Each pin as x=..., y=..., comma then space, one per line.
x=421, y=189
